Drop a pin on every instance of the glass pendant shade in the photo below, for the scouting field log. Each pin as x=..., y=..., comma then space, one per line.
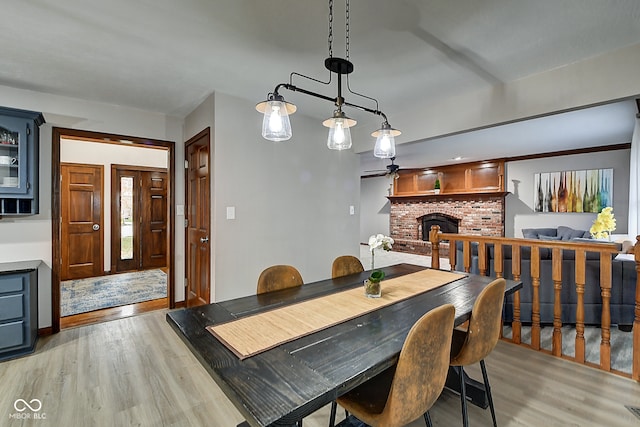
x=339, y=134
x=275, y=124
x=385, y=147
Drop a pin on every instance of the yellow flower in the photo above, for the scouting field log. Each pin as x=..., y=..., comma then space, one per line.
x=604, y=224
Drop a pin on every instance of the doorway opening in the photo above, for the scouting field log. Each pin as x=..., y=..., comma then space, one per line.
x=113, y=230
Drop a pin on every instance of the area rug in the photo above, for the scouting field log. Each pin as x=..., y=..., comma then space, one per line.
x=95, y=293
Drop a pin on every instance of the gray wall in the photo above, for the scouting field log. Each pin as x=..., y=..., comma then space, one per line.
x=291, y=198
x=374, y=206
x=592, y=81
x=519, y=177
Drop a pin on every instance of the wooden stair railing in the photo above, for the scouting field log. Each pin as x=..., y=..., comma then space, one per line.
x=580, y=249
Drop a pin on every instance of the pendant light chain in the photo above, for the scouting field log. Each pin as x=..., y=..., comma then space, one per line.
x=330, y=28
x=330, y=40
x=347, y=30
x=277, y=127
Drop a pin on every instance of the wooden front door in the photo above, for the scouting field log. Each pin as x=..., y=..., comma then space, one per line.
x=153, y=227
x=198, y=249
x=81, y=231
x=139, y=218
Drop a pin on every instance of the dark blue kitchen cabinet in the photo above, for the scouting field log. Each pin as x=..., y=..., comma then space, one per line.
x=19, y=142
x=18, y=308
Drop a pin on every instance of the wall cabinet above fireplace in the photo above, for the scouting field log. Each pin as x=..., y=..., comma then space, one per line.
x=468, y=178
x=19, y=139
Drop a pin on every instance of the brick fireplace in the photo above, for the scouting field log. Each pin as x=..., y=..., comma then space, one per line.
x=479, y=214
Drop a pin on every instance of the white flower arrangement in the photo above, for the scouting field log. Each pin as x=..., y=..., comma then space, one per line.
x=379, y=241
x=604, y=224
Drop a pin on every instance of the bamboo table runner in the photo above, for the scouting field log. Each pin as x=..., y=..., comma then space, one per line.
x=254, y=334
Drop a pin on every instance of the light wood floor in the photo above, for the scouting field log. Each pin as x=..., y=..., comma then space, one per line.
x=112, y=313
x=136, y=372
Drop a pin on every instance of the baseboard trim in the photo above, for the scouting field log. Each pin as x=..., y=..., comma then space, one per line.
x=45, y=331
x=181, y=304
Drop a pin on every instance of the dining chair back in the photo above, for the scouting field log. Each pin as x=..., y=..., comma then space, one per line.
x=345, y=265
x=278, y=277
x=406, y=391
x=479, y=339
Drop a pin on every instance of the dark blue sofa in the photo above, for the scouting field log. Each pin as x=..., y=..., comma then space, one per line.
x=623, y=286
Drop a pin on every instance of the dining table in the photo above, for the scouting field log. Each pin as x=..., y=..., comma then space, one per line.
x=282, y=383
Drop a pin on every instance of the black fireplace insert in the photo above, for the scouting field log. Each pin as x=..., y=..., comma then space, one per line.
x=447, y=223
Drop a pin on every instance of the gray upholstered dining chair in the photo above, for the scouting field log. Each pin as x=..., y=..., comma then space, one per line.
x=479, y=339
x=345, y=265
x=278, y=277
x=407, y=390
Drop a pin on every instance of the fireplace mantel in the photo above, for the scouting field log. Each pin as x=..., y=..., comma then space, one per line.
x=448, y=196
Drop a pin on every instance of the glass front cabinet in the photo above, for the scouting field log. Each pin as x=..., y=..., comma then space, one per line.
x=19, y=140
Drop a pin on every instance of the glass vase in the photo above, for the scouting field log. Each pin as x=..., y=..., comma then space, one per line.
x=372, y=289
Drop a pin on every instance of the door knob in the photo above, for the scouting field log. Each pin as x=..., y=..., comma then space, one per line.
x=96, y=227
x=204, y=239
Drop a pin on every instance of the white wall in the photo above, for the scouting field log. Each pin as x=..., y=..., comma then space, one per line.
x=374, y=207
x=519, y=180
x=27, y=238
x=95, y=153
x=291, y=198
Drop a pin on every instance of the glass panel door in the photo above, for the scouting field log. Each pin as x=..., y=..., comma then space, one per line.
x=126, y=217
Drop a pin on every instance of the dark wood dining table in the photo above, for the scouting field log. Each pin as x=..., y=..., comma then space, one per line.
x=284, y=384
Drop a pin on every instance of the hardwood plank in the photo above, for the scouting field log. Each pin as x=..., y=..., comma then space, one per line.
x=136, y=371
x=112, y=313
x=296, y=386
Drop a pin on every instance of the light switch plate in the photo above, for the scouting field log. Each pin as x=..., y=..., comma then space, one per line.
x=352, y=210
x=231, y=212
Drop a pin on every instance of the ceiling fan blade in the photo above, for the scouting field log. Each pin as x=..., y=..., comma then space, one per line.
x=373, y=174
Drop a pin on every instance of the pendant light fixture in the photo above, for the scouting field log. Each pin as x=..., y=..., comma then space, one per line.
x=277, y=127
x=275, y=124
x=385, y=147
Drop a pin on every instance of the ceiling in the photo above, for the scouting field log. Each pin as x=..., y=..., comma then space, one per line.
x=609, y=124
x=166, y=56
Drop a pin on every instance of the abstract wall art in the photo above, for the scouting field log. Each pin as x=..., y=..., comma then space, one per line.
x=573, y=191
